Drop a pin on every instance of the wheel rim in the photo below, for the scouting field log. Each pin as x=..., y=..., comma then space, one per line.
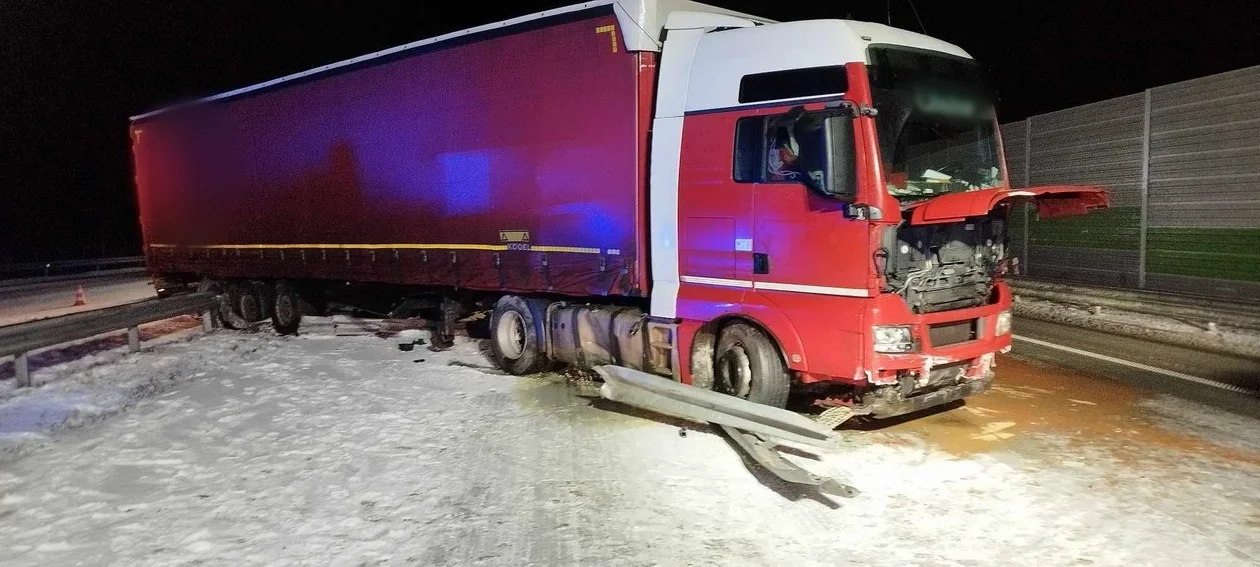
x=734, y=372
x=510, y=334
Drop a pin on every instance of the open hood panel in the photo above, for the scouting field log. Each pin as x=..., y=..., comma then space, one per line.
x=1052, y=201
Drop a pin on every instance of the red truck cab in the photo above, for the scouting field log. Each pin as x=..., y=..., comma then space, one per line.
x=841, y=187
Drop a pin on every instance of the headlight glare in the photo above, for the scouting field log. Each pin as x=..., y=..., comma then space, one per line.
x=893, y=338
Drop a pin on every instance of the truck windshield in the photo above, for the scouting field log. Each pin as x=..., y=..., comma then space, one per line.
x=936, y=127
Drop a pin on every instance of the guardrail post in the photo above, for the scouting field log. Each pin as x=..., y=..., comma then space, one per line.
x=133, y=339
x=207, y=321
x=22, y=369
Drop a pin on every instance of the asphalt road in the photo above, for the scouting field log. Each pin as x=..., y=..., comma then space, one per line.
x=1228, y=382
x=50, y=299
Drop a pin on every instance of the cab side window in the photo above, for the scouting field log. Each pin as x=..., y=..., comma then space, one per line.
x=793, y=83
x=769, y=149
x=782, y=155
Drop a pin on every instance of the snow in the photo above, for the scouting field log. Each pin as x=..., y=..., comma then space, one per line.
x=83, y=382
x=1213, y=426
x=1220, y=338
x=253, y=449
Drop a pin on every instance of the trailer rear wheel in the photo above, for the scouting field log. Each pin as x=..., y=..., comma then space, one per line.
x=226, y=301
x=286, y=310
x=251, y=302
x=514, y=337
x=212, y=287
x=266, y=299
x=748, y=365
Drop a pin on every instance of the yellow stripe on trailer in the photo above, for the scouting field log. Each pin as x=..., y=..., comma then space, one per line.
x=399, y=246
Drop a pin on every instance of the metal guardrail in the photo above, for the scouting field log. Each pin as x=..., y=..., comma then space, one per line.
x=69, y=266
x=20, y=339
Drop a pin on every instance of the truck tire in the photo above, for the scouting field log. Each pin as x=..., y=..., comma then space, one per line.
x=747, y=365
x=226, y=313
x=266, y=299
x=515, y=337
x=286, y=310
x=250, y=303
x=212, y=287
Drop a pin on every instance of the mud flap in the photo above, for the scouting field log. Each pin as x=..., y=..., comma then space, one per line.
x=747, y=423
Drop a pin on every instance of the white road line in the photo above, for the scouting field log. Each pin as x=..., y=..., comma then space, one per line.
x=1139, y=366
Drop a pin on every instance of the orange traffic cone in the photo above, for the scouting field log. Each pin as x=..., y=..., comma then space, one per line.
x=80, y=298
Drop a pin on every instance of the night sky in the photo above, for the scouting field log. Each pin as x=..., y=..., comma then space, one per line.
x=73, y=71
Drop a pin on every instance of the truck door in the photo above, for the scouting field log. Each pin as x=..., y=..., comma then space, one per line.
x=803, y=243
x=714, y=215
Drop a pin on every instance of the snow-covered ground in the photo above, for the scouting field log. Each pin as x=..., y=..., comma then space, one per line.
x=244, y=449
x=1171, y=329
x=85, y=381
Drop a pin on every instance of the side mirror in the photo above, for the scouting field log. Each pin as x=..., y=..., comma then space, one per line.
x=826, y=154
x=842, y=182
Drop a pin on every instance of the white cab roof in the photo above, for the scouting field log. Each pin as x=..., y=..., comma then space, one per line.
x=880, y=33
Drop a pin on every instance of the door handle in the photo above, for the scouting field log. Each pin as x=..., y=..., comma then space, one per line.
x=761, y=263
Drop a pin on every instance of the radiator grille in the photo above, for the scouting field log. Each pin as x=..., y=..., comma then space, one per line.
x=952, y=333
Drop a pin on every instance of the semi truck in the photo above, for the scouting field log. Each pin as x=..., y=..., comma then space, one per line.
x=755, y=207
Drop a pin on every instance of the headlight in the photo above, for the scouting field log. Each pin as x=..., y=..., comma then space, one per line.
x=893, y=339
x=1003, y=326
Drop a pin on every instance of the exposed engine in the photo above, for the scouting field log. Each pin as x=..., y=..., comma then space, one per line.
x=938, y=267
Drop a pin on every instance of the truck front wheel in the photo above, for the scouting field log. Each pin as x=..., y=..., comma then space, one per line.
x=514, y=338
x=748, y=365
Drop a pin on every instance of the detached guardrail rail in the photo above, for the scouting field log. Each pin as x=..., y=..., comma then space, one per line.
x=20, y=339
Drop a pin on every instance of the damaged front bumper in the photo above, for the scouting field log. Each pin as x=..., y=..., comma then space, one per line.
x=892, y=401
x=937, y=381
x=953, y=351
